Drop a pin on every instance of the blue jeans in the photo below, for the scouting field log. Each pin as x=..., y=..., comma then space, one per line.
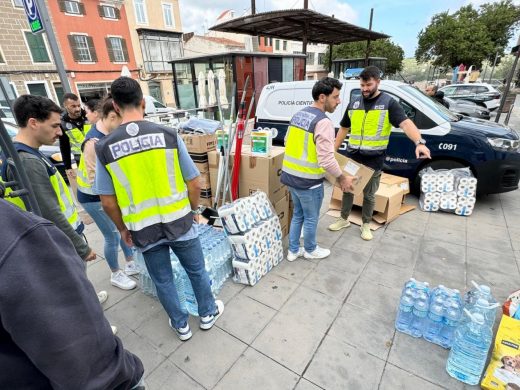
x=307, y=204
x=110, y=233
x=189, y=253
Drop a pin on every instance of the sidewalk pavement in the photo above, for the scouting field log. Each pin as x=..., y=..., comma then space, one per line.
x=328, y=324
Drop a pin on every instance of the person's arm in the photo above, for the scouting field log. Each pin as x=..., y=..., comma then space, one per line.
x=89, y=154
x=49, y=205
x=65, y=150
x=340, y=137
x=324, y=139
x=190, y=174
x=53, y=315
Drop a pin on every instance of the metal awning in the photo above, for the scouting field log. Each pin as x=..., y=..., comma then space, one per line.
x=294, y=24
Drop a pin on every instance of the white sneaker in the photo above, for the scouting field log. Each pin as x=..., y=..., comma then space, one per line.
x=183, y=333
x=121, y=280
x=318, y=253
x=102, y=296
x=293, y=256
x=114, y=329
x=131, y=268
x=207, y=322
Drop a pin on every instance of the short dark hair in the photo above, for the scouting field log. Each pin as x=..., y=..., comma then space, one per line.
x=370, y=72
x=70, y=96
x=93, y=104
x=37, y=107
x=326, y=85
x=126, y=92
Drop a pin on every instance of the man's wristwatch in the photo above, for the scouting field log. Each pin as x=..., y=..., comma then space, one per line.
x=197, y=211
x=422, y=141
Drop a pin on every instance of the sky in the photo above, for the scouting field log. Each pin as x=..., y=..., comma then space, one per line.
x=401, y=19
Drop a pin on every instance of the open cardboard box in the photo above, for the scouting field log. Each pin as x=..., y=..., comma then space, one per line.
x=389, y=205
x=352, y=168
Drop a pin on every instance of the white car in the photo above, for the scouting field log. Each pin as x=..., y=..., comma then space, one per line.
x=476, y=92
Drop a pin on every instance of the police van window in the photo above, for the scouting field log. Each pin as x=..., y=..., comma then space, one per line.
x=355, y=94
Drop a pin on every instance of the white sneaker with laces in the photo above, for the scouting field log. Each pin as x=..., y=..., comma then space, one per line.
x=121, y=280
x=293, y=256
x=184, y=332
x=102, y=296
x=207, y=322
x=131, y=268
x=317, y=253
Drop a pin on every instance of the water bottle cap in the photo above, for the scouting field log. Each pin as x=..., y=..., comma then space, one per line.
x=441, y=286
x=420, y=305
x=455, y=291
x=485, y=289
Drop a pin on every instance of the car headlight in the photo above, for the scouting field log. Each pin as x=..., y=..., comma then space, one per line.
x=504, y=144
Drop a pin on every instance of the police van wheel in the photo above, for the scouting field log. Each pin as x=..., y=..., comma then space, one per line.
x=437, y=164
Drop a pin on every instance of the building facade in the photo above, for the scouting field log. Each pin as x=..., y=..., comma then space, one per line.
x=25, y=58
x=95, y=43
x=156, y=38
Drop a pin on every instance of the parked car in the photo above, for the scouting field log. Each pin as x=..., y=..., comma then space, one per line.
x=476, y=92
x=491, y=150
x=51, y=151
x=468, y=108
x=154, y=106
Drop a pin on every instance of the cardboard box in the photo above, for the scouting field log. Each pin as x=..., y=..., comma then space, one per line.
x=389, y=200
x=200, y=143
x=204, y=180
x=282, y=210
x=203, y=167
x=352, y=168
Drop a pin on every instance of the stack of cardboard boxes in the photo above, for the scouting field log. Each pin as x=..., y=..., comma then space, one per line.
x=258, y=173
x=198, y=147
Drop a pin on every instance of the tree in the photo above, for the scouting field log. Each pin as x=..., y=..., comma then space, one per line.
x=469, y=35
x=380, y=48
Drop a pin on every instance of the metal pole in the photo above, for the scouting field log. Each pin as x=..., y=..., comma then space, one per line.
x=368, y=41
x=253, y=7
x=493, y=68
x=51, y=37
x=330, y=58
x=508, y=85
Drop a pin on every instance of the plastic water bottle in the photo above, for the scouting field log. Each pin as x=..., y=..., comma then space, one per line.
x=483, y=307
x=420, y=311
x=468, y=355
x=479, y=291
x=451, y=320
x=434, y=321
x=405, y=315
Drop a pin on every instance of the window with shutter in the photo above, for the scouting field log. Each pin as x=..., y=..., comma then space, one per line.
x=108, y=12
x=74, y=48
x=82, y=48
x=117, y=49
x=92, y=49
x=72, y=7
x=109, y=49
x=37, y=47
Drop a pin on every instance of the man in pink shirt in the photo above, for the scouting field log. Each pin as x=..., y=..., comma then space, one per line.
x=309, y=154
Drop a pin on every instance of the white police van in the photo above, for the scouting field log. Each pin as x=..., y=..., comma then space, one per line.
x=492, y=151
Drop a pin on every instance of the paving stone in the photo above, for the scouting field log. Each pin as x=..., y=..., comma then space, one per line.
x=245, y=318
x=374, y=297
x=324, y=237
x=412, y=223
x=495, y=240
x=289, y=342
x=256, y=371
x=514, y=234
x=345, y=260
x=168, y=376
x=208, y=356
x=295, y=271
x=455, y=253
x=149, y=355
x=387, y=274
x=272, y=290
x=440, y=270
x=497, y=271
x=312, y=308
x=395, y=378
x=512, y=216
x=133, y=310
x=330, y=281
x=486, y=217
x=447, y=220
x=304, y=384
x=341, y=366
x=445, y=234
x=364, y=329
x=229, y=290
x=423, y=359
x=351, y=241
x=395, y=254
x=401, y=239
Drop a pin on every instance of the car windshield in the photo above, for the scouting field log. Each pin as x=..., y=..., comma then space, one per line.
x=434, y=105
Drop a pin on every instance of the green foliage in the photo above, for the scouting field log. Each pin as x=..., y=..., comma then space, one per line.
x=469, y=35
x=380, y=48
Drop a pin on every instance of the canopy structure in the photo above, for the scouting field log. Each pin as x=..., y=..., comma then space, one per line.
x=298, y=25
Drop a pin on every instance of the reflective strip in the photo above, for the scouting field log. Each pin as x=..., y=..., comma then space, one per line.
x=301, y=174
x=161, y=202
x=82, y=179
x=125, y=184
x=370, y=138
x=364, y=147
x=305, y=151
x=301, y=162
x=158, y=218
x=381, y=122
x=67, y=205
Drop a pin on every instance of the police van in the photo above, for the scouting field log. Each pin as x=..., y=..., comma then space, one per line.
x=491, y=150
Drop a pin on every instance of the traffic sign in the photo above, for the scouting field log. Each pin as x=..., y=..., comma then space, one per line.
x=33, y=16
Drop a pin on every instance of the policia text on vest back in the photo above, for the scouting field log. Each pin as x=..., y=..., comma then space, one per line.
x=63, y=195
x=370, y=130
x=143, y=162
x=301, y=159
